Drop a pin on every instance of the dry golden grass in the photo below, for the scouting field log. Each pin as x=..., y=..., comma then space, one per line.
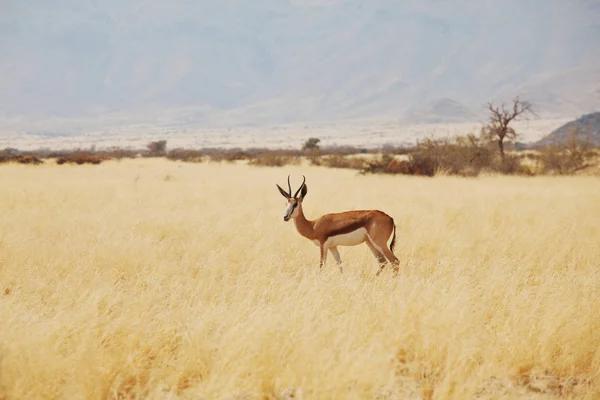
x=154, y=279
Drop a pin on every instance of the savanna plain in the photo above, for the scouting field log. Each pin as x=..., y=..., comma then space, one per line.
x=155, y=279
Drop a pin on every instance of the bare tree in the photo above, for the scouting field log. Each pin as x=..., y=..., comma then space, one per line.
x=498, y=129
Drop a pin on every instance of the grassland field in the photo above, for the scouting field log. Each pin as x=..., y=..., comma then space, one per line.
x=153, y=279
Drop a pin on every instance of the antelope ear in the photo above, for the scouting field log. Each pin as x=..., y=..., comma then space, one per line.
x=283, y=192
x=303, y=192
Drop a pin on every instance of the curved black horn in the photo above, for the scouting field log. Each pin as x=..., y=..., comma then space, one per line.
x=289, y=187
x=300, y=188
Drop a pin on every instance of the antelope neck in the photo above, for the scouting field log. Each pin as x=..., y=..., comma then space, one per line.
x=304, y=226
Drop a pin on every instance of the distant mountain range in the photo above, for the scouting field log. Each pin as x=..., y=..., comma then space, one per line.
x=87, y=64
x=586, y=129
x=440, y=111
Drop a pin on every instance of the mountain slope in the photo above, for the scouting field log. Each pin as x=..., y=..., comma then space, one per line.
x=572, y=92
x=586, y=128
x=231, y=62
x=440, y=111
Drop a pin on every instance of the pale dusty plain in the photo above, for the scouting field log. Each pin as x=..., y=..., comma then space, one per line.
x=370, y=133
x=155, y=279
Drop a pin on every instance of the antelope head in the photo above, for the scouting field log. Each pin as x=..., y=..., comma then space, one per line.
x=293, y=202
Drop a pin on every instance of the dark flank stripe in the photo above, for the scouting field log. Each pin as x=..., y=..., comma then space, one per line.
x=346, y=229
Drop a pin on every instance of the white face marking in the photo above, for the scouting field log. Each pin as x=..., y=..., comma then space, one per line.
x=290, y=210
x=347, y=239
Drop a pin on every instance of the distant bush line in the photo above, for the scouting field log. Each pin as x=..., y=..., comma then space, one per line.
x=466, y=156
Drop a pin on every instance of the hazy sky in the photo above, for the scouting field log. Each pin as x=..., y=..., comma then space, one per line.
x=276, y=61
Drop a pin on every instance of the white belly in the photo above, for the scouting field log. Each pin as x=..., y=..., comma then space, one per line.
x=347, y=239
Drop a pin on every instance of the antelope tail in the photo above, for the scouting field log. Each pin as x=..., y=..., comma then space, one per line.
x=393, y=243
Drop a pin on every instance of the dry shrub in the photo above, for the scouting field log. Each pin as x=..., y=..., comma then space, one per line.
x=529, y=155
x=339, y=161
x=232, y=155
x=555, y=160
x=5, y=159
x=353, y=150
x=315, y=160
x=572, y=155
x=567, y=159
x=80, y=159
x=29, y=159
x=386, y=164
x=463, y=155
x=185, y=155
x=397, y=150
x=8, y=155
x=343, y=150
x=25, y=159
x=118, y=154
x=274, y=160
x=511, y=165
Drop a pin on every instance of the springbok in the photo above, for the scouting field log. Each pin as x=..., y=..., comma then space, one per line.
x=348, y=228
